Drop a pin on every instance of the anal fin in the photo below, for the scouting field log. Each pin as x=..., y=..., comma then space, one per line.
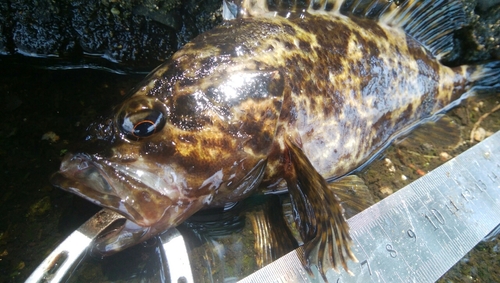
x=440, y=134
x=353, y=193
x=318, y=214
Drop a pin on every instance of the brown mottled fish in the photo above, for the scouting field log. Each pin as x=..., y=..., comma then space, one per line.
x=282, y=95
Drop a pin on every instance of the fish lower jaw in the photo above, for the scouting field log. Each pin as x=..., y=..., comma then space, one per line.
x=120, y=238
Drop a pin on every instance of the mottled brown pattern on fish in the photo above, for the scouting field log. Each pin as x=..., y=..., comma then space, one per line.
x=329, y=86
x=326, y=84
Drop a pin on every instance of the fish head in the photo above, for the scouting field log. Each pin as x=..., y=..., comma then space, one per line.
x=173, y=148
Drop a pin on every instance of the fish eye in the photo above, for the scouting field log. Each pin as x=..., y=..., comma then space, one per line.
x=143, y=123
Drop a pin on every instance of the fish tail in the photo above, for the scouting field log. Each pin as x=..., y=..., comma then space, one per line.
x=484, y=79
x=472, y=80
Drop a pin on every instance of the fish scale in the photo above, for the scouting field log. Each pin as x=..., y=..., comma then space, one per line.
x=419, y=232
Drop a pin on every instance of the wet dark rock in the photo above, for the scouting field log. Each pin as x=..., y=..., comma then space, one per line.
x=138, y=35
x=130, y=34
x=479, y=40
x=487, y=33
x=484, y=5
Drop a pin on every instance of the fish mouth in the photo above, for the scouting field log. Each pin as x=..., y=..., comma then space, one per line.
x=80, y=175
x=95, y=180
x=150, y=201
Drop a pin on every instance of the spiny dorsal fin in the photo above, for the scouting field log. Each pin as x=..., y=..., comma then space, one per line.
x=233, y=9
x=430, y=22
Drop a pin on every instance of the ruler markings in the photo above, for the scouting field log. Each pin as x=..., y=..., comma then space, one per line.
x=491, y=201
x=361, y=256
x=465, y=236
x=392, y=211
x=429, y=228
x=402, y=242
x=434, y=264
x=450, y=249
x=483, y=187
x=423, y=257
x=423, y=273
x=438, y=261
x=411, y=242
x=390, y=246
x=438, y=215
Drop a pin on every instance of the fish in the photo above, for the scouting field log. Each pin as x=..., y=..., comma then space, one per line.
x=282, y=96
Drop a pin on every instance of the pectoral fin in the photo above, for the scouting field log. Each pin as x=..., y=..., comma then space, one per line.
x=317, y=213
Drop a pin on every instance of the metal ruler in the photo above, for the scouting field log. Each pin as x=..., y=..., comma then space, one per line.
x=419, y=232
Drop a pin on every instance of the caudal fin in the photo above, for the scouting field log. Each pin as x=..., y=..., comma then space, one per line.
x=485, y=79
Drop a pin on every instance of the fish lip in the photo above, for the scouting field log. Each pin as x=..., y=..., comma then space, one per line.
x=79, y=173
x=99, y=181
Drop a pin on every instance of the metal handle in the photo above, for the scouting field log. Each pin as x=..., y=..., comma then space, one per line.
x=176, y=255
x=57, y=265
x=61, y=262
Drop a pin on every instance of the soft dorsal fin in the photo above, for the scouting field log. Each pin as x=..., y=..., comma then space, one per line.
x=430, y=22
